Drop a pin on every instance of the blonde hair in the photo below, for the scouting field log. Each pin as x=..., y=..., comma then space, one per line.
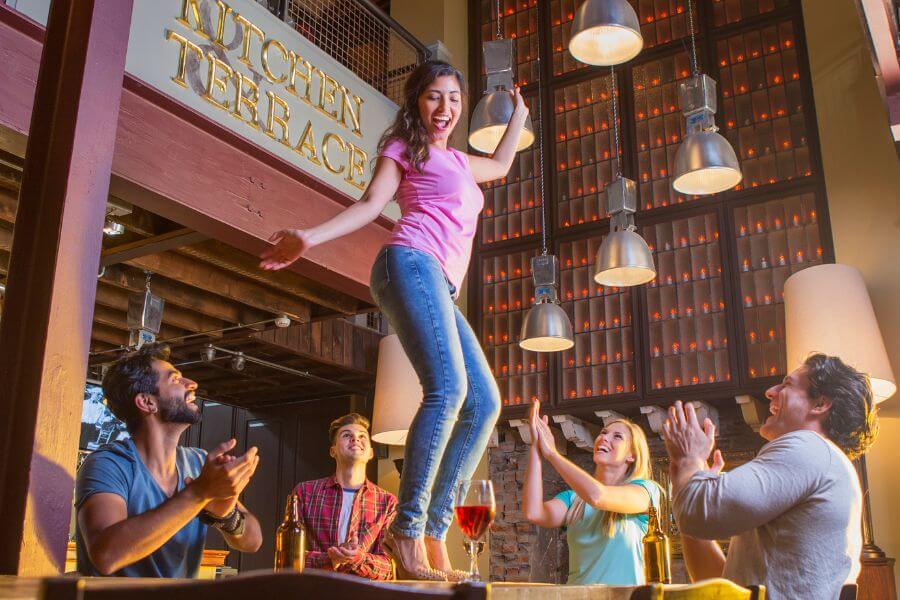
x=639, y=469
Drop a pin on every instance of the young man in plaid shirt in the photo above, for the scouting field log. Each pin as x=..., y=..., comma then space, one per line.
x=345, y=515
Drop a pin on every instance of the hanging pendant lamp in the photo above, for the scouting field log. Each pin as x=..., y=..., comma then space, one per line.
x=605, y=33
x=546, y=327
x=492, y=114
x=705, y=162
x=624, y=259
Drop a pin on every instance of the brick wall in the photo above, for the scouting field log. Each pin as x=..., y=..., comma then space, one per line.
x=520, y=551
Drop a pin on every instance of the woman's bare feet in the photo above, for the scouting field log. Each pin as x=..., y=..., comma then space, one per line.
x=411, y=557
x=440, y=559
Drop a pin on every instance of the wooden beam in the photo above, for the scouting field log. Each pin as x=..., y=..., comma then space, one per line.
x=175, y=293
x=224, y=256
x=45, y=333
x=109, y=335
x=9, y=201
x=173, y=314
x=114, y=318
x=224, y=284
x=152, y=245
x=265, y=301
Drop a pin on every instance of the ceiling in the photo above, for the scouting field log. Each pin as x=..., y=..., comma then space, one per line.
x=216, y=294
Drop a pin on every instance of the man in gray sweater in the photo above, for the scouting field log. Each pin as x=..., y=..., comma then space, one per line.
x=793, y=512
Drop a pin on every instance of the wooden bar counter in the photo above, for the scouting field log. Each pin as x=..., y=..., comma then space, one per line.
x=25, y=588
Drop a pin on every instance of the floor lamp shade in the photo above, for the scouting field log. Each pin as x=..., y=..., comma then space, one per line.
x=398, y=393
x=828, y=310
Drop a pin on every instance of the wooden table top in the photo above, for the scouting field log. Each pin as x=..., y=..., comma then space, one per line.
x=28, y=588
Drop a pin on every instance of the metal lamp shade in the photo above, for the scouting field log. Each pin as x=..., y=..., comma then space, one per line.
x=605, y=33
x=624, y=260
x=546, y=328
x=705, y=164
x=490, y=119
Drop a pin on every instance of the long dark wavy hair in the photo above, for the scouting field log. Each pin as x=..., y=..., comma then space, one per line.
x=852, y=422
x=408, y=126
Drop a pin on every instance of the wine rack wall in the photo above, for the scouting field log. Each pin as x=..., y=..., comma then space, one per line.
x=711, y=325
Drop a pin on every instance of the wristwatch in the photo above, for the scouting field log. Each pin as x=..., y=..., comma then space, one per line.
x=232, y=523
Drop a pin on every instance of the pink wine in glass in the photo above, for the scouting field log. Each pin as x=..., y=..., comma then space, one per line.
x=474, y=520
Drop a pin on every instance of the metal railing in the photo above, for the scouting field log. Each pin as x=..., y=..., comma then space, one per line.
x=360, y=36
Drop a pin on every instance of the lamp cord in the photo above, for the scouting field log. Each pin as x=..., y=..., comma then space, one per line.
x=695, y=70
x=614, y=100
x=499, y=35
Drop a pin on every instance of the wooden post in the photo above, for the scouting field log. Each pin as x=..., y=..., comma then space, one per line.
x=45, y=331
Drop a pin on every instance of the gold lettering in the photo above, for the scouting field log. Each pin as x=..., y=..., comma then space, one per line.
x=305, y=75
x=265, y=59
x=216, y=81
x=240, y=100
x=308, y=143
x=347, y=108
x=272, y=119
x=356, y=165
x=195, y=11
x=328, y=137
x=327, y=87
x=182, y=55
x=248, y=28
x=224, y=11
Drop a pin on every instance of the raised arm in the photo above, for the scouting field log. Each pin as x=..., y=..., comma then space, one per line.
x=711, y=505
x=488, y=168
x=291, y=244
x=626, y=499
x=551, y=513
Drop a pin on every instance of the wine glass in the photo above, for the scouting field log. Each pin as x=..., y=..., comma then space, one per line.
x=475, y=508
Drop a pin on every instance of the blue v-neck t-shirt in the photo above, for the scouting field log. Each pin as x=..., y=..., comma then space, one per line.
x=594, y=557
x=117, y=468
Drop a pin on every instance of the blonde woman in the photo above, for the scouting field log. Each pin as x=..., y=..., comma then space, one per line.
x=605, y=513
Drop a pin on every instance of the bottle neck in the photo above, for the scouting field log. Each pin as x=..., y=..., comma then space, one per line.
x=291, y=510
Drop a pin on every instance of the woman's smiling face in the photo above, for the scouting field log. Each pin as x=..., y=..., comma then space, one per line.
x=614, y=445
x=440, y=106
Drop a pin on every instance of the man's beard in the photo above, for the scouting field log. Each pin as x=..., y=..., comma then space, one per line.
x=177, y=410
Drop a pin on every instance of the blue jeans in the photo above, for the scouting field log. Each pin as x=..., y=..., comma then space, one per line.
x=461, y=402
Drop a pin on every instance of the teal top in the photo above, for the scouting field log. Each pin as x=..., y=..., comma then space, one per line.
x=595, y=557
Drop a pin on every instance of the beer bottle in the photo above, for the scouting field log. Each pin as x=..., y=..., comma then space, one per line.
x=657, y=560
x=290, y=539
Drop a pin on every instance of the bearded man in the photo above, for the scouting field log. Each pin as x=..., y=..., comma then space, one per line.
x=143, y=504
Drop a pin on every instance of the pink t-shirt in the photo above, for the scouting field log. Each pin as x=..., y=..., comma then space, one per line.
x=439, y=207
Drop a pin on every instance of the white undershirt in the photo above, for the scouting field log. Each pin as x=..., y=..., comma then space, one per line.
x=344, y=519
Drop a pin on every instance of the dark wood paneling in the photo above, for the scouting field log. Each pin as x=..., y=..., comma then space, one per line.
x=262, y=497
x=293, y=447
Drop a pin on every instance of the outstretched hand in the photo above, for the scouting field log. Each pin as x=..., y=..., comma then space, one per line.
x=290, y=244
x=518, y=101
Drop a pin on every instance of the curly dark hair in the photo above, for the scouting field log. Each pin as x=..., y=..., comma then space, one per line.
x=852, y=421
x=131, y=375
x=407, y=126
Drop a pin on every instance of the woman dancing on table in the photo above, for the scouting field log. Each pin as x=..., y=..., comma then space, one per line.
x=415, y=280
x=604, y=514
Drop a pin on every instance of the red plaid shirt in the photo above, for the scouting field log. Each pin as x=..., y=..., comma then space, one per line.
x=373, y=510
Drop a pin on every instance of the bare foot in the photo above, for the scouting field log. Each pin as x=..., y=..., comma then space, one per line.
x=437, y=554
x=412, y=557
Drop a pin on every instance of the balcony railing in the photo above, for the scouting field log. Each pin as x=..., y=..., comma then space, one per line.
x=360, y=36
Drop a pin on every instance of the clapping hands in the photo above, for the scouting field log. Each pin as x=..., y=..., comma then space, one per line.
x=687, y=441
x=542, y=440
